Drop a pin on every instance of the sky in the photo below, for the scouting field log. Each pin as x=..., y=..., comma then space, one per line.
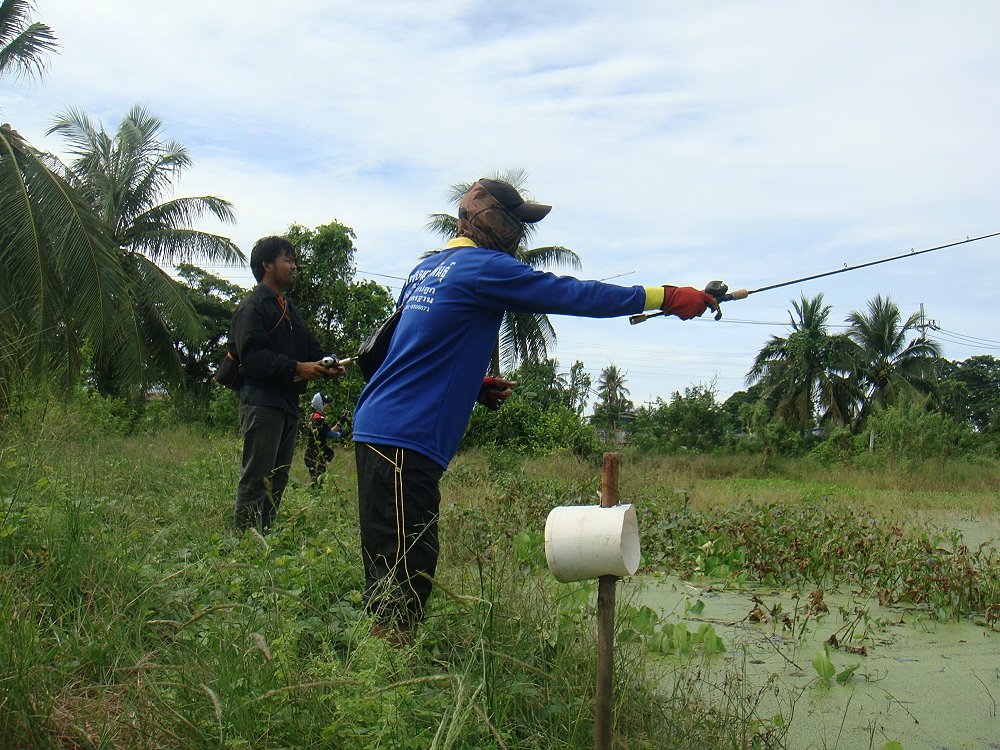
x=678, y=143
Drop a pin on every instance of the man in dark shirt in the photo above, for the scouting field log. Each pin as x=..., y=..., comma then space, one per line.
x=278, y=355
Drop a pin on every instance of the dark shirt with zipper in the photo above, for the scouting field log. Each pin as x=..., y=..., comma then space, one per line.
x=270, y=338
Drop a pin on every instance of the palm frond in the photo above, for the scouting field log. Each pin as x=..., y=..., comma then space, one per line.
x=443, y=225
x=186, y=245
x=56, y=242
x=23, y=44
x=525, y=337
x=549, y=256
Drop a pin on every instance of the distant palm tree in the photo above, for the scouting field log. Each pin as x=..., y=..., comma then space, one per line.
x=524, y=337
x=612, y=397
x=804, y=377
x=125, y=179
x=23, y=45
x=886, y=365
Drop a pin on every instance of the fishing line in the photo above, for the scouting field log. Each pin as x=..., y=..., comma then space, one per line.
x=722, y=294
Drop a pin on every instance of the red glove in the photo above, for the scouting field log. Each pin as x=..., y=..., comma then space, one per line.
x=686, y=302
x=494, y=391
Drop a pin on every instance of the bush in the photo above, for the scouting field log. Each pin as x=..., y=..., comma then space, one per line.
x=837, y=446
x=224, y=409
x=524, y=427
x=909, y=431
x=694, y=421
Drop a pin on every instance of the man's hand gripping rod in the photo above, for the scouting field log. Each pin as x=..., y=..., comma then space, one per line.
x=717, y=289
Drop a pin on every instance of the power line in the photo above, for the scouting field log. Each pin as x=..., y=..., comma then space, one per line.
x=970, y=338
x=968, y=344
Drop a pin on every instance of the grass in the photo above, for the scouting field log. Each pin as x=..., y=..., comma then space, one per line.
x=132, y=617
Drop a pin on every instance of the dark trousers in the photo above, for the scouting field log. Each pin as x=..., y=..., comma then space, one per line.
x=318, y=453
x=398, y=504
x=268, y=445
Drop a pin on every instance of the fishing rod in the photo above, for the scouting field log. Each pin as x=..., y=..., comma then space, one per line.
x=720, y=290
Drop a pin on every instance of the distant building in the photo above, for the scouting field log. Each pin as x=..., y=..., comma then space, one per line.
x=616, y=435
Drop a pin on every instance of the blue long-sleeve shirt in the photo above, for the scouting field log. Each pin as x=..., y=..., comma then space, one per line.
x=453, y=304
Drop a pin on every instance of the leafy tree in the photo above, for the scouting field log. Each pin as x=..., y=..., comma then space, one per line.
x=804, y=377
x=908, y=430
x=340, y=310
x=540, y=382
x=23, y=45
x=523, y=336
x=578, y=388
x=740, y=407
x=970, y=391
x=125, y=179
x=692, y=421
x=886, y=363
x=612, y=398
x=214, y=300
x=527, y=427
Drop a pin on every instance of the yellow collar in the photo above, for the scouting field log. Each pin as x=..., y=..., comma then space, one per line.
x=460, y=242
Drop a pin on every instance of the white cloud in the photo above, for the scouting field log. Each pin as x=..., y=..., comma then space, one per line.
x=750, y=142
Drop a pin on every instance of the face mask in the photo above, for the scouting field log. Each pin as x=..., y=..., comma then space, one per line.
x=484, y=220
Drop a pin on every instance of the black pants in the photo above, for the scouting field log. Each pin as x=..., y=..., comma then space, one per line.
x=318, y=453
x=268, y=446
x=398, y=504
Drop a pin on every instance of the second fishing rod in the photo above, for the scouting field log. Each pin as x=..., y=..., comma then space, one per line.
x=720, y=290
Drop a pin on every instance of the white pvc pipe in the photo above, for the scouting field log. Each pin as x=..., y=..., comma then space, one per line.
x=588, y=541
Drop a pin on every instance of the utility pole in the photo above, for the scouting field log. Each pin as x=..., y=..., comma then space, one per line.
x=925, y=323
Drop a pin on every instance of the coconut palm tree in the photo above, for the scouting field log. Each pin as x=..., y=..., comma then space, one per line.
x=805, y=376
x=125, y=178
x=612, y=397
x=523, y=336
x=62, y=284
x=886, y=364
x=23, y=45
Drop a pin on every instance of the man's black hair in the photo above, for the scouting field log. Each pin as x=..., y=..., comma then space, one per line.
x=267, y=250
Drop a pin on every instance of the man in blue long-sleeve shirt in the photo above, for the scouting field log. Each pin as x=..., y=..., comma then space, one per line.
x=413, y=412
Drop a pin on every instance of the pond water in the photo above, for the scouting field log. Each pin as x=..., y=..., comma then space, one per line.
x=924, y=684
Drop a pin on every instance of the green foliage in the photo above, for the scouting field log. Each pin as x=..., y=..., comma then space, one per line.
x=890, y=362
x=339, y=310
x=126, y=180
x=813, y=379
x=838, y=445
x=827, y=671
x=694, y=421
x=525, y=427
x=224, y=408
x=803, y=378
x=910, y=431
x=23, y=43
x=669, y=637
x=812, y=543
x=612, y=398
x=214, y=300
x=69, y=291
x=540, y=382
x=970, y=391
x=133, y=617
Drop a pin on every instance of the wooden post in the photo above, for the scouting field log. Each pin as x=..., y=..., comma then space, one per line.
x=606, y=619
